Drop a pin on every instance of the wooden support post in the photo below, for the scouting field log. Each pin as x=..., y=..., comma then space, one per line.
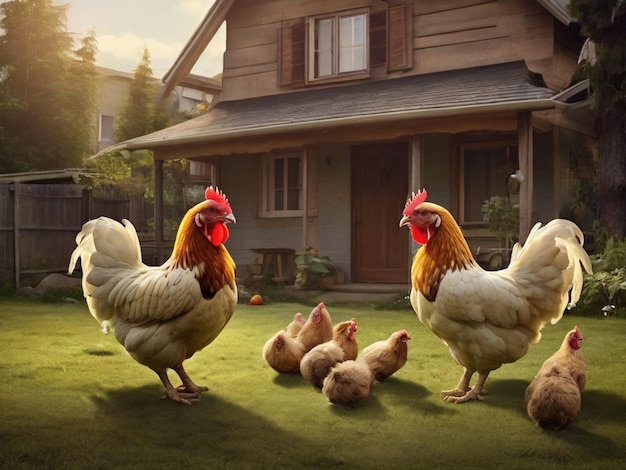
x=525, y=157
x=158, y=209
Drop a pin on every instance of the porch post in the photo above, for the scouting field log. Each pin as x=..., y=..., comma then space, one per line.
x=525, y=156
x=305, y=197
x=415, y=182
x=158, y=209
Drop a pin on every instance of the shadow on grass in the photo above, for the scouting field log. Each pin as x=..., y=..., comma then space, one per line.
x=212, y=431
x=596, y=406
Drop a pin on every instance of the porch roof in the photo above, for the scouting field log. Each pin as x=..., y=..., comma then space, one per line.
x=509, y=86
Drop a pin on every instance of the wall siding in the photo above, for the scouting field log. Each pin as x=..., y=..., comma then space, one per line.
x=447, y=35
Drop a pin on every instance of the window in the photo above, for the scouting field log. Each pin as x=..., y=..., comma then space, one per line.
x=281, y=186
x=345, y=46
x=485, y=172
x=339, y=45
x=105, y=137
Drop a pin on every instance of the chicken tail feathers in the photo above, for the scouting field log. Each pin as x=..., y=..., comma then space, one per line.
x=552, y=261
x=105, y=247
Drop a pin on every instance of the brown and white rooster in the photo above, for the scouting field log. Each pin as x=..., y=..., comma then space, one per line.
x=553, y=397
x=164, y=314
x=488, y=318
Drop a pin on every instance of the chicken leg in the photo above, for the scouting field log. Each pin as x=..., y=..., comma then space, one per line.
x=184, y=394
x=463, y=392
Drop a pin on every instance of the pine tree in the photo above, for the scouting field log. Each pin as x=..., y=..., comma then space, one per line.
x=43, y=103
x=604, y=23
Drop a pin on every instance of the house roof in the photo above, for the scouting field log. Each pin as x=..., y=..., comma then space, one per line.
x=216, y=15
x=509, y=86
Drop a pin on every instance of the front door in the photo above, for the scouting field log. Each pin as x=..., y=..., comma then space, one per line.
x=380, y=249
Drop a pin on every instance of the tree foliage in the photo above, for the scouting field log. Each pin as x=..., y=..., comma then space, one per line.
x=140, y=115
x=48, y=90
x=604, y=23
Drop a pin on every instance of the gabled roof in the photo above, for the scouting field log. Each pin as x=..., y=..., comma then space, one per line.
x=508, y=86
x=216, y=15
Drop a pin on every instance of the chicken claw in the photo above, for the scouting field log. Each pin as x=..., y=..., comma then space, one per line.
x=180, y=397
x=462, y=398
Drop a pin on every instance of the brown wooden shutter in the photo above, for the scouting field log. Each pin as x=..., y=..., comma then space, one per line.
x=400, y=37
x=378, y=37
x=291, y=40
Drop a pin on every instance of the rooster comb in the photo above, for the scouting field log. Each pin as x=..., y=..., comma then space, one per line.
x=215, y=194
x=415, y=200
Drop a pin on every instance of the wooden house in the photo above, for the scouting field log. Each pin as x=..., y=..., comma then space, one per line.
x=333, y=111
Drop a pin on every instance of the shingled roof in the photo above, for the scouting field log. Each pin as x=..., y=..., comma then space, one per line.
x=510, y=86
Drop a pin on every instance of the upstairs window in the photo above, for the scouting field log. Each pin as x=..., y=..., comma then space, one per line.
x=345, y=45
x=339, y=45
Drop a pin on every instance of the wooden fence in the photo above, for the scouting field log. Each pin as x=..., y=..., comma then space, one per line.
x=39, y=223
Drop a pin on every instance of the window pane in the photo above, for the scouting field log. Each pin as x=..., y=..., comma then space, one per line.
x=324, y=45
x=352, y=43
x=486, y=174
x=279, y=184
x=293, y=184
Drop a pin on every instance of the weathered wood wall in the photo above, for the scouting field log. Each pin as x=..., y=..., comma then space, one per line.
x=447, y=35
x=46, y=219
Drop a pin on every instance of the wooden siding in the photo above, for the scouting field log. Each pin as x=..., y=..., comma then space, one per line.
x=447, y=35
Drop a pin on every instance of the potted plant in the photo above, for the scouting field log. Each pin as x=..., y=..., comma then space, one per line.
x=313, y=270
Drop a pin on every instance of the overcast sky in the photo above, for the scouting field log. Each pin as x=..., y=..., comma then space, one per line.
x=123, y=27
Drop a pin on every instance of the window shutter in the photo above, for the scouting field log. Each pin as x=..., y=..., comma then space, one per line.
x=400, y=28
x=378, y=37
x=291, y=42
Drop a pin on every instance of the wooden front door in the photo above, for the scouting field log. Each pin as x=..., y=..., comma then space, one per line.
x=380, y=249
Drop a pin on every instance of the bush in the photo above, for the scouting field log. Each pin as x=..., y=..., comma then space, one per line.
x=607, y=284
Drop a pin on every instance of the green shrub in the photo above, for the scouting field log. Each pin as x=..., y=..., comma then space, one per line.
x=607, y=284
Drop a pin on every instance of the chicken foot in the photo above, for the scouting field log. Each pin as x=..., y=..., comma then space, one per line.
x=180, y=394
x=188, y=385
x=463, y=392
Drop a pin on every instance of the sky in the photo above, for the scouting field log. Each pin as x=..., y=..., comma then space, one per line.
x=123, y=27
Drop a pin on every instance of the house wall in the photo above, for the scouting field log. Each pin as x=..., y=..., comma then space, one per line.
x=447, y=35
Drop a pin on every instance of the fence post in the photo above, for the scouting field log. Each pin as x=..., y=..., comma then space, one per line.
x=16, y=231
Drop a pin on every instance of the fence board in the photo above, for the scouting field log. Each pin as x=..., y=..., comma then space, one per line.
x=50, y=216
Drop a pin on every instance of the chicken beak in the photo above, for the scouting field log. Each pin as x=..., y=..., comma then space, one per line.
x=229, y=218
x=404, y=221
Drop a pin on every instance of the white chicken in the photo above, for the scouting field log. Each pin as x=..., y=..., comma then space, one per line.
x=162, y=315
x=488, y=318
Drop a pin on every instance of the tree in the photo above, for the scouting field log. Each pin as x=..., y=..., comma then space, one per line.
x=604, y=23
x=47, y=90
x=140, y=115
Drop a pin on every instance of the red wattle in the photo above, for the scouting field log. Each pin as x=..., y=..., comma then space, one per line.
x=219, y=234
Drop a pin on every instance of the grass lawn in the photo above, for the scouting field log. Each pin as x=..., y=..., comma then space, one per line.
x=72, y=398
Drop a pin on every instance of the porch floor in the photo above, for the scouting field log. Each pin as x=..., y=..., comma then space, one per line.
x=351, y=293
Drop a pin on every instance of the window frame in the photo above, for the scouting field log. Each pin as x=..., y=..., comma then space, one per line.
x=267, y=187
x=463, y=147
x=311, y=53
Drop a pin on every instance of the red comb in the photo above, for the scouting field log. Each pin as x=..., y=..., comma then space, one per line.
x=215, y=194
x=415, y=200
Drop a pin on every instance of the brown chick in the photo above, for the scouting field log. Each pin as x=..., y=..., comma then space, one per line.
x=317, y=329
x=385, y=358
x=316, y=364
x=348, y=382
x=553, y=398
x=283, y=353
x=296, y=325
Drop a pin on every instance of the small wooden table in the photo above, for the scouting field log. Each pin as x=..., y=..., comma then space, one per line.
x=277, y=256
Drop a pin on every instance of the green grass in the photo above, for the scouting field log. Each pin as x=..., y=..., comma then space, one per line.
x=72, y=398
